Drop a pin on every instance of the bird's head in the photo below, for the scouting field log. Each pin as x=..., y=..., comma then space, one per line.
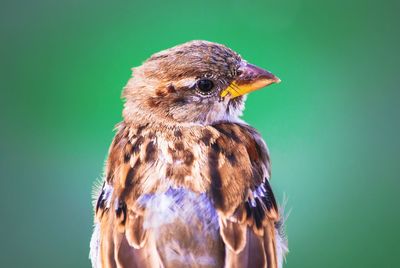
x=197, y=82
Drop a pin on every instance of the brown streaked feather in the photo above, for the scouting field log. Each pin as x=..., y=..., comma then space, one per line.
x=252, y=255
x=107, y=242
x=122, y=237
x=135, y=233
x=239, y=143
x=258, y=251
x=234, y=234
x=129, y=257
x=270, y=245
x=234, y=168
x=258, y=212
x=124, y=254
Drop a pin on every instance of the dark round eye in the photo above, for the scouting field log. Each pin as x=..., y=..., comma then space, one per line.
x=205, y=85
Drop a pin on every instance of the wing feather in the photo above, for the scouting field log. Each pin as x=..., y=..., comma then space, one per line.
x=238, y=170
x=123, y=240
x=249, y=233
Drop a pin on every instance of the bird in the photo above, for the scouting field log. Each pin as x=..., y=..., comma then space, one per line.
x=186, y=181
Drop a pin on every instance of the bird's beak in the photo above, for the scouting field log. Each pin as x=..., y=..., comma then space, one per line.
x=250, y=78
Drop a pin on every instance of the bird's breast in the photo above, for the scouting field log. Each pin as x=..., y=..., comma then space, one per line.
x=185, y=227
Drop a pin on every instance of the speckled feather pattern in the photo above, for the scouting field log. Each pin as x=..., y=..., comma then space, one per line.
x=186, y=181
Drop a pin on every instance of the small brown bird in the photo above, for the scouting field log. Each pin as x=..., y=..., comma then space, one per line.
x=186, y=181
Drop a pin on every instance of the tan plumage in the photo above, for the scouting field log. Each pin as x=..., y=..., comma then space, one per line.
x=186, y=182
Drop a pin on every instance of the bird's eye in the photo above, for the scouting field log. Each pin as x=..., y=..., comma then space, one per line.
x=205, y=86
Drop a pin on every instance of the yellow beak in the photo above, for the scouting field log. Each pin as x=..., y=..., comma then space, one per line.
x=250, y=78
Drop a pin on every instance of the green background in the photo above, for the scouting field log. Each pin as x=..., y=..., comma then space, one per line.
x=332, y=125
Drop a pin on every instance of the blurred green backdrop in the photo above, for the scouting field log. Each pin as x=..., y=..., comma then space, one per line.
x=332, y=125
